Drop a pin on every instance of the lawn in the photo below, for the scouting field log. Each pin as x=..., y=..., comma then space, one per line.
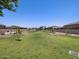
x=38, y=45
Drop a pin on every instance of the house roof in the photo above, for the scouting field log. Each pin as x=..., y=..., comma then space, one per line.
x=74, y=23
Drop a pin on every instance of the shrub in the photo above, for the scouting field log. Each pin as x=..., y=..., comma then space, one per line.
x=18, y=35
x=18, y=39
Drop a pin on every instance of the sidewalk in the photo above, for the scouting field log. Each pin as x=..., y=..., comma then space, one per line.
x=60, y=33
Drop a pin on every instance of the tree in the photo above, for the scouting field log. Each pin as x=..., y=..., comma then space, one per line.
x=18, y=34
x=2, y=26
x=8, y=4
x=15, y=27
x=42, y=28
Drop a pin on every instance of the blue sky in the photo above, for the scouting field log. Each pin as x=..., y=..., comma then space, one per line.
x=34, y=13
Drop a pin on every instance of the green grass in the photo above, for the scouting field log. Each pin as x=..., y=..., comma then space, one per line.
x=39, y=45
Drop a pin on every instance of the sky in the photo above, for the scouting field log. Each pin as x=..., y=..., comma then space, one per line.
x=35, y=13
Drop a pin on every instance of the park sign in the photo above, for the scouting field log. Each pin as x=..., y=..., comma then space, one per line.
x=74, y=53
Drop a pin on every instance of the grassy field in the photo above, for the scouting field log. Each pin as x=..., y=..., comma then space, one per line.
x=38, y=45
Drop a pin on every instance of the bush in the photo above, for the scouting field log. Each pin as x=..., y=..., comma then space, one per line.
x=18, y=39
x=18, y=35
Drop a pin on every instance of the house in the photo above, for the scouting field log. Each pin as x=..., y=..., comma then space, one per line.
x=74, y=25
x=7, y=31
x=72, y=28
x=4, y=30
